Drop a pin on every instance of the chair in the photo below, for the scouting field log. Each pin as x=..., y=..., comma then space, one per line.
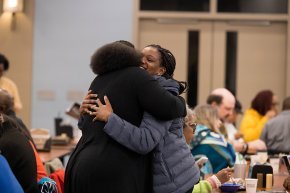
x=53, y=166
x=58, y=177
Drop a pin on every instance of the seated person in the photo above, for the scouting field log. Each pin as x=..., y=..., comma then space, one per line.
x=8, y=182
x=209, y=141
x=232, y=133
x=223, y=101
x=6, y=107
x=277, y=131
x=213, y=182
x=19, y=153
x=8, y=85
x=263, y=108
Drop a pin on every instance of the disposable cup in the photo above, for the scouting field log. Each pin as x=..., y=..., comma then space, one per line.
x=240, y=170
x=251, y=185
x=275, y=164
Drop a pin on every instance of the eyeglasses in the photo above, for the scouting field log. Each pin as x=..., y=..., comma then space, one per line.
x=193, y=126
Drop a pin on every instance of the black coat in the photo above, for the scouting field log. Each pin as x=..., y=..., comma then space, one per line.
x=101, y=165
x=16, y=148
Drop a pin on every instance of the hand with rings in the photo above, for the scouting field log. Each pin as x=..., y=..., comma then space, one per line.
x=102, y=111
x=88, y=102
x=225, y=174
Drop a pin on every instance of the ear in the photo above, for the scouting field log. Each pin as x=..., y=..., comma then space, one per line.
x=161, y=71
x=213, y=104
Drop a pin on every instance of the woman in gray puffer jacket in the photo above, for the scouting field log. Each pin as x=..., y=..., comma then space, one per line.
x=174, y=169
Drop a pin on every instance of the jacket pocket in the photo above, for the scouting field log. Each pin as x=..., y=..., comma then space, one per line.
x=166, y=168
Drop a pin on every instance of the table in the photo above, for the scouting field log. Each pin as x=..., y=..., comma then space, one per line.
x=57, y=151
x=277, y=186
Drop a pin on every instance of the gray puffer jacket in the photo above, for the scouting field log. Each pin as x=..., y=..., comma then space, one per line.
x=174, y=169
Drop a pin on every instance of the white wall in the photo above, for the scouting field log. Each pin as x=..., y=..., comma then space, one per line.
x=66, y=33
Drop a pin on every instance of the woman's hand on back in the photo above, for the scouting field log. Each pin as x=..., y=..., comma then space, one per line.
x=88, y=102
x=102, y=111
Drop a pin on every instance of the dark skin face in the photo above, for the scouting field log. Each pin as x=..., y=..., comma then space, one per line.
x=151, y=61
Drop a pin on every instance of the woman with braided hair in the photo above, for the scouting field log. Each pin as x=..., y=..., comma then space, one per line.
x=99, y=164
x=173, y=165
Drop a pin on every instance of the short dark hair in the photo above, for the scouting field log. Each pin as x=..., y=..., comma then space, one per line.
x=114, y=56
x=286, y=104
x=214, y=98
x=4, y=61
x=238, y=107
x=263, y=101
x=127, y=43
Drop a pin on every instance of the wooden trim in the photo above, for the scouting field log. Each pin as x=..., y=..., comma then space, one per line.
x=287, y=71
x=213, y=15
x=213, y=7
x=207, y=16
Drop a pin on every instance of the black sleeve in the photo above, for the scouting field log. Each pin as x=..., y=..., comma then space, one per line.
x=156, y=100
x=22, y=161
